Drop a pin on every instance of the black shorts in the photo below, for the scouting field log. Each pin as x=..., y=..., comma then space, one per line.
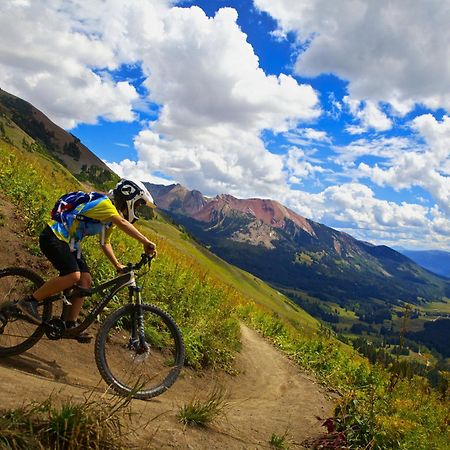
x=59, y=254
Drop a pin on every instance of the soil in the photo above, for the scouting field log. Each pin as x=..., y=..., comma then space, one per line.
x=269, y=395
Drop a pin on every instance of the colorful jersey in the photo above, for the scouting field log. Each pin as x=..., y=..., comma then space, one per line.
x=75, y=229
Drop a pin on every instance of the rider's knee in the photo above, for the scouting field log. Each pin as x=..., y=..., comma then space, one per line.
x=73, y=277
x=85, y=280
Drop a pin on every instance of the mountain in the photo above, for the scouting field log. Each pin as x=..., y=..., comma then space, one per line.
x=26, y=126
x=437, y=261
x=296, y=254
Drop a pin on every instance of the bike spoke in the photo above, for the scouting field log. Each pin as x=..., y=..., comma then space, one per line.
x=17, y=333
x=146, y=365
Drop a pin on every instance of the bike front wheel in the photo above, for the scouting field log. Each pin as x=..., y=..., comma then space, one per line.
x=139, y=351
x=17, y=334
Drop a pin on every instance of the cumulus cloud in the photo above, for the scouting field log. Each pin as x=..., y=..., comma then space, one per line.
x=369, y=116
x=427, y=169
x=53, y=60
x=394, y=52
x=354, y=208
x=215, y=102
x=222, y=166
x=136, y=171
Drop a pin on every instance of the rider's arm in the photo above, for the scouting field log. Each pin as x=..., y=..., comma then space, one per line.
x=108, y=250
x=127, y=227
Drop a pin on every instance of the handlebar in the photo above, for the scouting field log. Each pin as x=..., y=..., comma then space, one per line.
x=145, y=259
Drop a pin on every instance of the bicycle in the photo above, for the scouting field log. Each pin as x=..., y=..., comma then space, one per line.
x=139, y=349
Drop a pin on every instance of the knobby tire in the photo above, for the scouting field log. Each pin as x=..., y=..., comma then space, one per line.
x=20, y=335
x=129, y=373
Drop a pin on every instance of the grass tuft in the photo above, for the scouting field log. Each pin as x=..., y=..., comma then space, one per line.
x=97, y=423
x=200, y=412
x=278, y=442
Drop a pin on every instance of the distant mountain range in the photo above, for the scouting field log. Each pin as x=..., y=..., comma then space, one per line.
x=437, y=261
x=294, y=253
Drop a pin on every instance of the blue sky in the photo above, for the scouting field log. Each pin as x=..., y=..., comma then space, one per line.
x=337, y=109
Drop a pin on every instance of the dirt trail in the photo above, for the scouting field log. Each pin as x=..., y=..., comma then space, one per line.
x=268, y=395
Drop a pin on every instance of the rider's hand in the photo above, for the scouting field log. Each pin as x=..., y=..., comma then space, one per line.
x=150, y=248
x=120, y=267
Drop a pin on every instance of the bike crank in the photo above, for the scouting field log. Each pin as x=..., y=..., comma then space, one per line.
x=54, y=328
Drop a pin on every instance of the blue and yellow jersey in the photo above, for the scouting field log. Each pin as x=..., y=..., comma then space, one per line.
x=74, y=228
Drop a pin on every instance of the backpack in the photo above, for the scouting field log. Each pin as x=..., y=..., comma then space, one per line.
x=68, y=202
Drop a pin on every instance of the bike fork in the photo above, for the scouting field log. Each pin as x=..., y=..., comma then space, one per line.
x=137, y=340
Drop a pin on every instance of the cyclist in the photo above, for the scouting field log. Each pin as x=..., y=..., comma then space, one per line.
x=60, y=243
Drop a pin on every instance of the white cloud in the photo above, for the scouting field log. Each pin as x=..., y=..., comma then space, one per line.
x=395, y=52
x=298, y=165
x=383, y=148
x=136, y=171
x=215, y=102
x=205, y=73
x=354, y=208
x=369, y=115
x=236, y=163
x=54, y=60
x=425, y=168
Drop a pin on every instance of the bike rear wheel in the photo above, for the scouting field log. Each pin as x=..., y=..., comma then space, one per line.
x=16, y=333
x=130, y=368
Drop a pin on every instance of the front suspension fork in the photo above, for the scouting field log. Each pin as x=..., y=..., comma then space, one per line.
x=137, y=340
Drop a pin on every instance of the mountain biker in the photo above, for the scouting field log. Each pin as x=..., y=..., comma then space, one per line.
x=60, y=243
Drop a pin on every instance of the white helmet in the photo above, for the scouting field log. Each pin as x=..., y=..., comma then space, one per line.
x=128, y=195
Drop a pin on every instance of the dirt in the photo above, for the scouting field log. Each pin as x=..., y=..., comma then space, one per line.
x=269, y=395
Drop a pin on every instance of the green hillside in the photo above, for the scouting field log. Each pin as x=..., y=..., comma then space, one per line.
x=247, y=284
x=377, y=406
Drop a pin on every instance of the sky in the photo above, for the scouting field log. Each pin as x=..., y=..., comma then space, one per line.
x=338, y=109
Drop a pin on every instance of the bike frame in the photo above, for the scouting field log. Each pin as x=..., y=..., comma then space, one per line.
x=115, y=285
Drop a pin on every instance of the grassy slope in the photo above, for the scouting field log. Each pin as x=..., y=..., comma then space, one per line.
x=247, y=284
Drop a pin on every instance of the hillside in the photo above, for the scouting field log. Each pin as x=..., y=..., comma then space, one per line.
x=25, y=126
x=266, y=384
x=295, y=253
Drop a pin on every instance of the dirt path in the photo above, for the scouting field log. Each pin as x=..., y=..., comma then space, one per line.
x=269, y=395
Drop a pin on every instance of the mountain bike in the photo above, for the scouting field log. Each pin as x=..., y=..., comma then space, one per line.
x=139, y=348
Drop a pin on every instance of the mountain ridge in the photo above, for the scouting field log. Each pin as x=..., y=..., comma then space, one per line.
x=62, y=145
x=306, y=255
x=436, y=261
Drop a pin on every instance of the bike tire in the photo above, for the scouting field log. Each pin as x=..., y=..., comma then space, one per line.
x=19, y=335
x=129, y=373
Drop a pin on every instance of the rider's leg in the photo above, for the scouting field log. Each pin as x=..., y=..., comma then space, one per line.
x=77, y=302
x=29, y=305
x=56, y=285
x=64, y=260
